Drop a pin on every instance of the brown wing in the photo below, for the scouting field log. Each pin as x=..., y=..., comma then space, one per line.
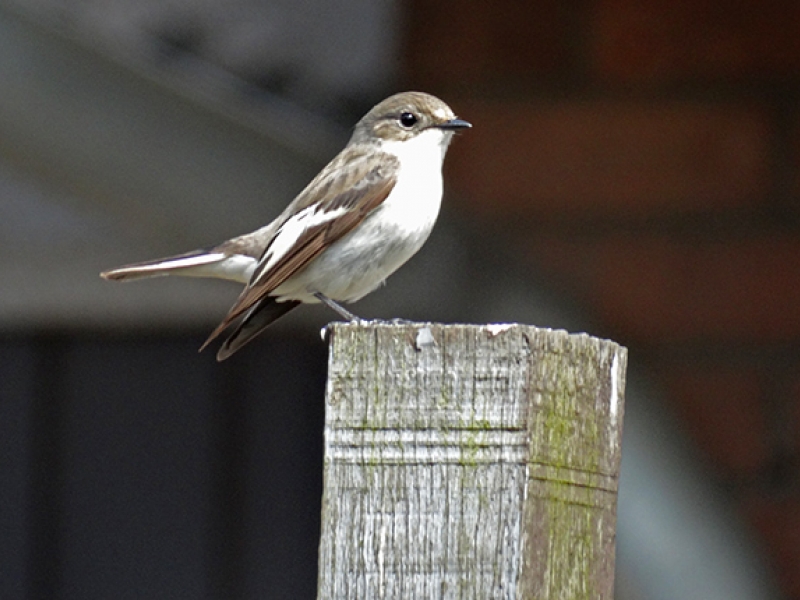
x=362, y=188
x=257, y=319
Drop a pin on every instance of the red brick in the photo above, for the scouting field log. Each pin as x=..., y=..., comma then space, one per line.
x=663, y=42
x=722, y=410
x=464, y=42
x=795, y=155
x=537, y=159
x=778, y=522
x=794, y=408
x=650, y=288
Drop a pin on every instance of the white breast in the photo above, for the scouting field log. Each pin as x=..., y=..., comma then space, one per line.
x=360, y=261
x=416, y=198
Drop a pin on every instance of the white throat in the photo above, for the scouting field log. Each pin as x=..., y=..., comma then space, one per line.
x=425, y=150
x=390, y=235
x=414, y=202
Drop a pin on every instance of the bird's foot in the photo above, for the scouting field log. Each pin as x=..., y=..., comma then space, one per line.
x=336, y=307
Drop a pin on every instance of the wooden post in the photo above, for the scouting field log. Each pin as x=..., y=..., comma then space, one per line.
x=466, y=461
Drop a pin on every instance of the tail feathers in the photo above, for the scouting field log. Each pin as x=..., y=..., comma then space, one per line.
x=257, y=319
x=198, y=263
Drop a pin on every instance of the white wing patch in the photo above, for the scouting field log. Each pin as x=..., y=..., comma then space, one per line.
x=291, y=231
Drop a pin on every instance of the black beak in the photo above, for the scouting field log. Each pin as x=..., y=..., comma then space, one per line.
x=455, y=124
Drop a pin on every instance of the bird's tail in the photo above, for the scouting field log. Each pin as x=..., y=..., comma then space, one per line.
x=198, y=263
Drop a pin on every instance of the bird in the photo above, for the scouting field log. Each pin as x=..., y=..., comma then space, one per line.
x=366, y=213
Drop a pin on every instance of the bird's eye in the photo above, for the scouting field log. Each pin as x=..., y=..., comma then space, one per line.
x=408, y=119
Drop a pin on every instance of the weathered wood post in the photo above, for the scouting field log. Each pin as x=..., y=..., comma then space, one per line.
x=466, y=461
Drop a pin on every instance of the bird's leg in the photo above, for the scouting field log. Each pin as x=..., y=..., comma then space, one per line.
x=336, y=307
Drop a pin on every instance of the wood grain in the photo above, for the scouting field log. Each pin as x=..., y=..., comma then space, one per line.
x=482, y=464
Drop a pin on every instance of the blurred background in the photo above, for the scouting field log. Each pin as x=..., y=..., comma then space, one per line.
x=632, y=172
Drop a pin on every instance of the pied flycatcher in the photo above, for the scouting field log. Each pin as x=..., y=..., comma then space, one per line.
x=364, y=215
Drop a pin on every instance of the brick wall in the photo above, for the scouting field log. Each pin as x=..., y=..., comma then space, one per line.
x=646, y=156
